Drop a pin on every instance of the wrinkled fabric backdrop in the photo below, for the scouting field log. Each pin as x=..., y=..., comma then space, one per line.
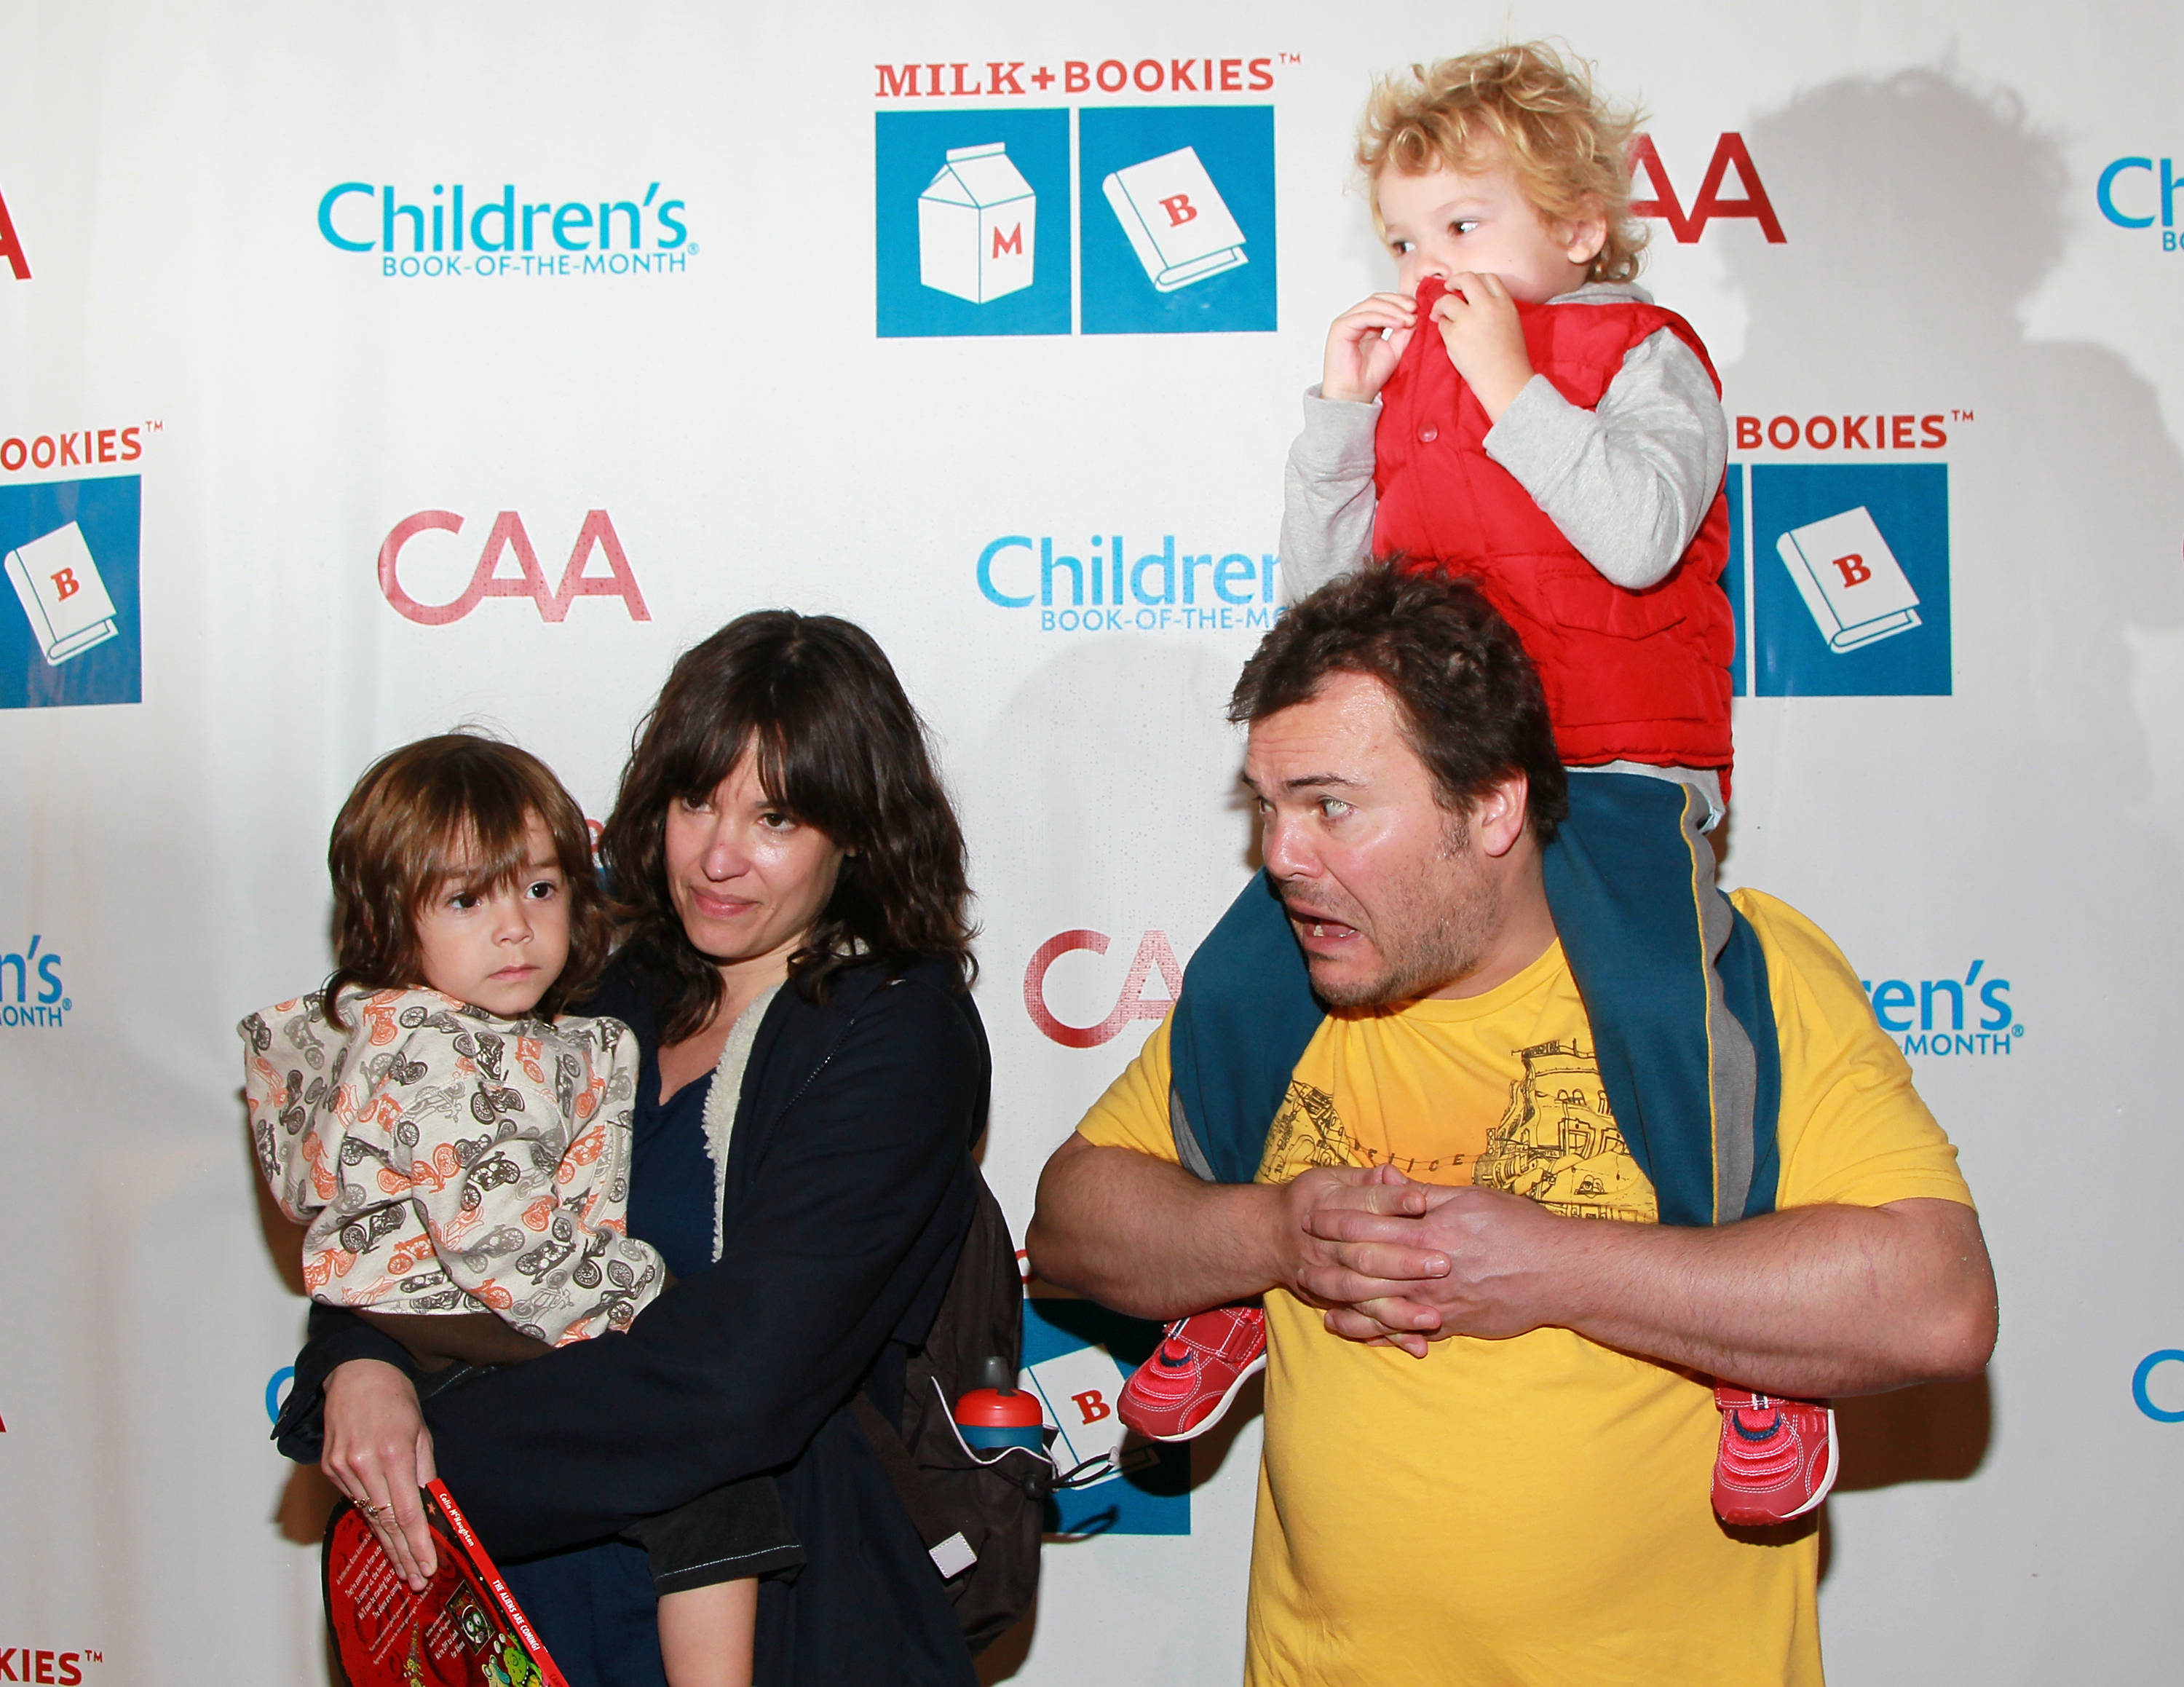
x=366, y=369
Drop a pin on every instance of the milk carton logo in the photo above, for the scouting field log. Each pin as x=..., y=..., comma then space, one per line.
x=978, y=226
x=1174, y=205
x=1076, y=1356
x=1839, y=578
x=1175, y=219
x=70, y=550
x=962, y=248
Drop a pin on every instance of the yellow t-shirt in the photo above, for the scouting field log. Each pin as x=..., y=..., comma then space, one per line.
x=1539, y=1509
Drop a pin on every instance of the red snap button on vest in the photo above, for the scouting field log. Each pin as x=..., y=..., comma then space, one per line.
x=1428, y=434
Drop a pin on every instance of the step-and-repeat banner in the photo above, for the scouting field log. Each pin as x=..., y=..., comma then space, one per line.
x=373, y=368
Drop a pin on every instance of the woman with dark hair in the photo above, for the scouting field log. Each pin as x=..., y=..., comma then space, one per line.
x=795, y=964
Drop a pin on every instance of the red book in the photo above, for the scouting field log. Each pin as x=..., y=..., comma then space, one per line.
x=465, y=1630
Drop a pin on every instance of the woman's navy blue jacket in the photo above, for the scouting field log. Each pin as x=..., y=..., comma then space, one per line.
x=850, y=1187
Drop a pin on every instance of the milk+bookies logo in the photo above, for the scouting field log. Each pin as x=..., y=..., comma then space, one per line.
x=1173, y=226
x=1098, y=586
x=459, y=231
x=47, y=1664
x=1838, y=570
x=2140, y=193
x=71, y=552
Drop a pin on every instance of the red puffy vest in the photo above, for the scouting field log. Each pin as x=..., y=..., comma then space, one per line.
x=1629, y=676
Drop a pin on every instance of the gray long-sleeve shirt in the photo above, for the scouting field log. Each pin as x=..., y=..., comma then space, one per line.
x=1628, y=482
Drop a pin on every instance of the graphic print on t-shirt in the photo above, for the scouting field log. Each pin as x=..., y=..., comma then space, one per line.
x=1557, y=1142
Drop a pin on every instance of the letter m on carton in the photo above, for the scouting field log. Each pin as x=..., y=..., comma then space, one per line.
x=977, y=226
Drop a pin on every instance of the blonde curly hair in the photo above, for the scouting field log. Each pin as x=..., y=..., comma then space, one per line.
x=1568, y=147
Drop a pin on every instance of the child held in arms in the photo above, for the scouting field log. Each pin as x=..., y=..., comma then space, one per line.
x=1519, y=411
x=454, y=1148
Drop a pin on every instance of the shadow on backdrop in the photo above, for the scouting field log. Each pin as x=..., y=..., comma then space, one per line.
x=1922, y=215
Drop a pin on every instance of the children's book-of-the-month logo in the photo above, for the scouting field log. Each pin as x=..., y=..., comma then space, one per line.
x=1095, y=587
x=1077, y=1355
x=1176, y=216
x=33, y=995
x=459, y=231
x=71, y=554
x=1839, y=578
x=2141, y=193
x=1949, y=1017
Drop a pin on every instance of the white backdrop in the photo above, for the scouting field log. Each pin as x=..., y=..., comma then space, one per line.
x=235, y=408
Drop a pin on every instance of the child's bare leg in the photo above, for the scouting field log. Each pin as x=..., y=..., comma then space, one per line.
x=705, y=1634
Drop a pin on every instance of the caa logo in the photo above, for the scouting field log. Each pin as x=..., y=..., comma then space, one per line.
x=1076, y=1356
x=1102, y=590
x=1176, y=208
x=507, y=235
x=1730, y=152
x=507, y=536
x=39, y=1000
x=70, y=551
x=2156, y=190
x=11, y=245
x=1838, y=573
x=1929, y=1017
x=1154, y=953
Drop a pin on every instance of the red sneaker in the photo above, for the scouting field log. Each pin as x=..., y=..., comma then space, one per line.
x=1195, y=1372
x=1777, y=1456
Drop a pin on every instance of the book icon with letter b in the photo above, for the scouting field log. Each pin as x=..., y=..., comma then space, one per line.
x=1849, y=579
x=1176, y=222
x=58, y=585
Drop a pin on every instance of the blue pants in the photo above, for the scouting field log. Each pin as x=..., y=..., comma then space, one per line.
x=1631, y=881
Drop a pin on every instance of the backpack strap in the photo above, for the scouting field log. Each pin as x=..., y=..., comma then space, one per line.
x=1241, y=1024
x=946, y=1542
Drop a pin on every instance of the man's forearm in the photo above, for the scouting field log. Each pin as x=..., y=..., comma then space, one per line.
x=1809, y=1302
x=1146, y=1237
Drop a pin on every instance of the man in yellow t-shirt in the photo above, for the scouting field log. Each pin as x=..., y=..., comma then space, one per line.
x=1489, y=1423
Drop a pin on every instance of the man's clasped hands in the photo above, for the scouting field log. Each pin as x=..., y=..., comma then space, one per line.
x=1392, y=1262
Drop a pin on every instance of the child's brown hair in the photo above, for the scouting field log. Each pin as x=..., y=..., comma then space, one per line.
x=1567, y=146
x=453, y=811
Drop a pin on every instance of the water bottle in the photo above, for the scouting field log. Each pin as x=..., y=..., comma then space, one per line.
x=997, y=1414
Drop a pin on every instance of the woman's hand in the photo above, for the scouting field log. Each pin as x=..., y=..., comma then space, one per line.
x=379, y=1453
